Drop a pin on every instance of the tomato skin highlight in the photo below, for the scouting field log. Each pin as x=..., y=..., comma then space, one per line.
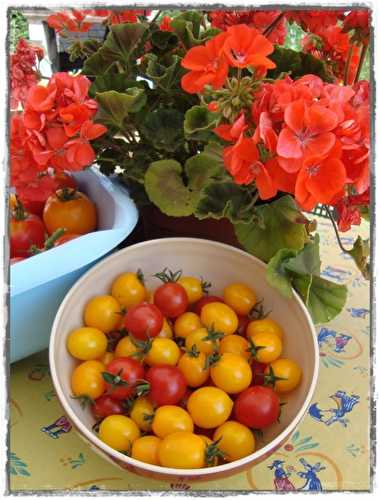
x=130, y=371
x=24, y=233
x=257, y=407
x=144, y=321
x=171, y=299
x=105, y=406
x=167, y=385
x=207, y=299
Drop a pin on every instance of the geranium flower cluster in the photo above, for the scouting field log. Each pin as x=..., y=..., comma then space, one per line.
x=259, y=19
x=23, y=71
x=52, y=134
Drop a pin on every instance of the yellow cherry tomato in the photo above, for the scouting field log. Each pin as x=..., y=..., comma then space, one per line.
x=145, y=449
x=129, y=290
x=193, y=287
x=193, y=367
x=209, y=407
x=166, y=331
x=126, y=348
x=119, y=432
x=239, y=297
x=87, y=379
x=169, y=419
x=236, y=440
x=235, y=344
x=231, y=373
x=219, y=317
x=103, y=312
x=268, y=347
x=163, y=352
x=142, y=413
x=288, y=371
x=107, y=358
x=187, y=323
x=182, y=450
x=86, y=343
x=203, y=341
x=265, y=325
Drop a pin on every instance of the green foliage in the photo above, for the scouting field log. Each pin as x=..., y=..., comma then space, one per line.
x=114, y=107
x=18, y=28
x=360, y=252
x=199, y=123
x=164, y=129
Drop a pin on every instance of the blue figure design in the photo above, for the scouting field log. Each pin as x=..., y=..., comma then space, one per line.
x=281, y=481
x=60, y=426
x=324, y=335
x=335, y=273
x=312, y=483
x=357, y=312
x=344, y=403
x=341, y=341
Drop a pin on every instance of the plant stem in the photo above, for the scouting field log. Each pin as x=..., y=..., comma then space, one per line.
x=363, y=54
x=272, y=26
x=155, y=17
x=335, y=229
x=347, y=65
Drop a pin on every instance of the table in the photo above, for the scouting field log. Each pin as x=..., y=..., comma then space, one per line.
x=328, y=451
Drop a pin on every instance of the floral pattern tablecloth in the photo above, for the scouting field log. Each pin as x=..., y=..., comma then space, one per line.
x=329, y=450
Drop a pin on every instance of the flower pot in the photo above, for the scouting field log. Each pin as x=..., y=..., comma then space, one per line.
x=158, y=225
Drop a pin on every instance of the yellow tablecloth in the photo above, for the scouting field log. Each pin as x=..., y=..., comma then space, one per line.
x=329, y=450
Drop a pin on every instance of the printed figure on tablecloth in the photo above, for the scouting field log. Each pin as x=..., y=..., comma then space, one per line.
x=335, y=274
x=358, y=312
x=336, y=341
x=344, y=403
x=60, y=426
x=310, y=474
x=281, y=477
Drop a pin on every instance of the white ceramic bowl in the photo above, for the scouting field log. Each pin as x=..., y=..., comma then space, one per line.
x=221, y=265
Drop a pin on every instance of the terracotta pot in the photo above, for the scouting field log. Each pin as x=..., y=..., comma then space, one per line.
x=158, y=225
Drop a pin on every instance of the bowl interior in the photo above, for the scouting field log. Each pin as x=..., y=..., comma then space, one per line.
x=216, y=263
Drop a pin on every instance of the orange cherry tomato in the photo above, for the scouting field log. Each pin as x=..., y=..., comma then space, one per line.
x=65, y=238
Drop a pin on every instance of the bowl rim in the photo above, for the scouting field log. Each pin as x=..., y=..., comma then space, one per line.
x=158, y=469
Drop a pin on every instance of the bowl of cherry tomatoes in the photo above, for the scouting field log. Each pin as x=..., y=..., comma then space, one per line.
x=175, y=358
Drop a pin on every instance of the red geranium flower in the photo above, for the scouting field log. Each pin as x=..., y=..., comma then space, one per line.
x=165, y=24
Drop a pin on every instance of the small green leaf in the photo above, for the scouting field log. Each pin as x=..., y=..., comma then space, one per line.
x=166, y=74
x=164, y=40
x=164, y=129
x=114, y=106
x=200, y=170
x=307, y=261
x=360, y=252
x=199, y=123
x=277, y=275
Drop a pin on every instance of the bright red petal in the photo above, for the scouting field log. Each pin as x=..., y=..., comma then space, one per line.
x=288, y=145
x=294, y=116
x=320, y=145
x=319, y=119
x=326, y=179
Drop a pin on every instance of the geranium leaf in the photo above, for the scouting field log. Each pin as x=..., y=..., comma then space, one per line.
x=199, y=123
x=281, y=225
x=114, y=106
x=166, y=74
x=307, y=261
x=277, y=275
x=360, y=252
x=164, y=40
x=114, y=81
x=200, y=170
x=164, y=129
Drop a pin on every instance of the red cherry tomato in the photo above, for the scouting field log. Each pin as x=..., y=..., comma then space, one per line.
x=171, y=299
x=144, y=321
x=207, y=299
x=257, y=407
x=105, y=406
x=16, y=259
x=122, y=376
x=167, y=385
x=65, y=238
x=258, y=369
x=25, y=230
x=35, y=207
x=242, y=327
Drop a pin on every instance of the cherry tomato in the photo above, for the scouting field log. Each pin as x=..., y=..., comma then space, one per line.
x=193, y=287
x=169, y=419
x=219, y=317
x=106, y=358
x=167, y=385
x=186, y=324
x=71, y=210
x=26, y=230
x=240, y=298
x=193, y=366
x=14, y=260
x=203, y=340
x=257, y=407
x=87, y=380
x=123, y=374
x=171, y=299
x=103, y=312
x=267, y=347
x=119, y=432
x=231, y=373
x=207, y=299
x=242, y=326
x=144, y=321
x=288, y=372
x=105, y=406
x=127, y=348
x=65, y=238
x=235, y=344
x=236, y=440
x=209, y=407
x=166, y=331
x=87, y=343
x=182, y=450
x=265, y=325
x=145, y=449
x=142, y=413
x=163, y=352
x=129, y=290
x=258, y=370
